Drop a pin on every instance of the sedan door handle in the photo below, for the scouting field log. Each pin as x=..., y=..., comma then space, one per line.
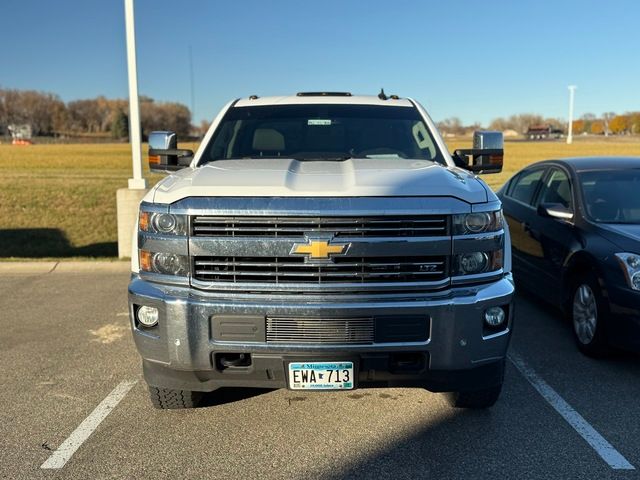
x=527, y=229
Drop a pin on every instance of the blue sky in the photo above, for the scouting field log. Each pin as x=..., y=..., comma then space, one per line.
x=471, y=59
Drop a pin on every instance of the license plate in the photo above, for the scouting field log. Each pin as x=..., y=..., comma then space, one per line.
x=321, y=376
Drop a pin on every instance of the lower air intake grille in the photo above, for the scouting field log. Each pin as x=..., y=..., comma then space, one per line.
x=348, y=331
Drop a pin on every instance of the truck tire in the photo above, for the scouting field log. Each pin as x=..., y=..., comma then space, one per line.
x=476, y=399
x=168, y=399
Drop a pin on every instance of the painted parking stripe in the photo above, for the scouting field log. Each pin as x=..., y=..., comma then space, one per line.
x=65, y=451
x=602, y=447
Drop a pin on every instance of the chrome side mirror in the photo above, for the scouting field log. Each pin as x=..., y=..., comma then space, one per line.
x=164, y=154
x=555, y=210
x=486, y=156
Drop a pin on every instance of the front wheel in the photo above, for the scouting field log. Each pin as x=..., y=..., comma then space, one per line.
x=588, y=314
x=476, y=399
x=167, y=398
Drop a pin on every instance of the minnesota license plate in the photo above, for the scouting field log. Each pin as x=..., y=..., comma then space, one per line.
x=321, y=376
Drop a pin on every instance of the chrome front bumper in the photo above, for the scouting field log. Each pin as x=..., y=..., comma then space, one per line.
x=184, y=339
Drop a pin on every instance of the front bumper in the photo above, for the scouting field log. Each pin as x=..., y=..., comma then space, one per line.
x=458, y=352
x=624, y=324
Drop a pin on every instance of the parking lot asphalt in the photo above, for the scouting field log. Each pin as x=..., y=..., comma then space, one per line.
x=65, y=346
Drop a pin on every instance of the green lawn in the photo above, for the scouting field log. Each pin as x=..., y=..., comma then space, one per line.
x=60, y=200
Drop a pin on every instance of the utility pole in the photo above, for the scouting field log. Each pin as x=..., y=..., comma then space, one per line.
x=137, y=182
x=572, y=90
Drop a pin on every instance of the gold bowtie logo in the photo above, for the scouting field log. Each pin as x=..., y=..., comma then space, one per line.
x=318, y=249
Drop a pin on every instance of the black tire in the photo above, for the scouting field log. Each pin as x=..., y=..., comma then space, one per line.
x=595, y=343
x=476, y=399
x=168, y=399
x=480, y=398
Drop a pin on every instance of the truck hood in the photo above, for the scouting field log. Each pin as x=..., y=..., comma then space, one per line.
x=358, y=177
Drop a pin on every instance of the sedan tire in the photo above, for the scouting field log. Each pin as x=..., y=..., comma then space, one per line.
x=588, y=316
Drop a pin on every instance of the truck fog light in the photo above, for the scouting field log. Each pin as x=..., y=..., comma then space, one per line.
x=471, y=263
x=635, y=281
x=147, y=316
x=494, y=316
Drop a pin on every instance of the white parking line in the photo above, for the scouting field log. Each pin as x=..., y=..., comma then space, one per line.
x=65, y=451
x=602, y=447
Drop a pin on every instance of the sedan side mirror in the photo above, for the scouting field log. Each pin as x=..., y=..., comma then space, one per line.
x=164, y=155
x=486, y=156
x=554, y=210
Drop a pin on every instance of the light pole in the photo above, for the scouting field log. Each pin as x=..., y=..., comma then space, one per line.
x=128, y=199
x=137, y=182
x=572, y=90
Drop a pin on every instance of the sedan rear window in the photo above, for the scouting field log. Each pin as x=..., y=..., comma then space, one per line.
x=322, y=132
x=611, y=196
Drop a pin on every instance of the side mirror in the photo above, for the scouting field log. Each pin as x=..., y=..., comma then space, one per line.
x=164, y=154
x=486, y=156
x=554, y=210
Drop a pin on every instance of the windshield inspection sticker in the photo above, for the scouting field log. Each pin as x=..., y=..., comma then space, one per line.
x=318, y=121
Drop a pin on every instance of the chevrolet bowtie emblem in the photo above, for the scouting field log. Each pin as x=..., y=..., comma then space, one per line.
x=319, y=249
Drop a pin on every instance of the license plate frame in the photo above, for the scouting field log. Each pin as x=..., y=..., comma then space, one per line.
x=311, y=375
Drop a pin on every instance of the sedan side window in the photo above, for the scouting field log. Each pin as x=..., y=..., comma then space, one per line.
x=557, y=190
x=525, y=186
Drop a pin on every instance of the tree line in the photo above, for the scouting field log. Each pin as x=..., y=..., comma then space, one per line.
x=48, y=115
x=608, y=123
x=519, y=123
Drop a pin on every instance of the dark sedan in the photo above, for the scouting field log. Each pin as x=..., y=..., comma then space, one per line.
x=575, y=231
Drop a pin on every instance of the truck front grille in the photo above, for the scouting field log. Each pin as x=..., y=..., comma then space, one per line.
x=397, y=226
x=349, y=331
x=342, y=270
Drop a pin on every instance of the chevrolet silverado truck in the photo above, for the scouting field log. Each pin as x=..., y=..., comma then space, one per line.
x=322, y=241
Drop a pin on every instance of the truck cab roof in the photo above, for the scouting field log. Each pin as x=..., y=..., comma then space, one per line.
x=333, y=98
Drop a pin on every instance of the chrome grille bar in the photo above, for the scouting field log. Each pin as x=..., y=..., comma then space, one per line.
x=320, y=331
x=296, y=270
x=414, y=226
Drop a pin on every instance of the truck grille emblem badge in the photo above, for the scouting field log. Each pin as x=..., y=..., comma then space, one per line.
x=319, y=249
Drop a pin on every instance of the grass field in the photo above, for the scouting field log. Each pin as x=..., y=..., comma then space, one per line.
x=60, y=200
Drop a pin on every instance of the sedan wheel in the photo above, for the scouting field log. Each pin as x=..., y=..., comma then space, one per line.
x=589, y=314
x=585, y=314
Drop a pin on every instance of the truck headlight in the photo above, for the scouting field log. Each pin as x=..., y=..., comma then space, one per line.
x=477, y=262
x=477, y=222
x=630, y=263
x=164, y=263
x=164, y=223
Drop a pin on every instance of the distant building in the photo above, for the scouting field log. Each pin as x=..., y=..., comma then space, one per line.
x=21, y=134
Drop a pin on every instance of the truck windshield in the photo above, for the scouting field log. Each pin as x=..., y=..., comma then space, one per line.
x=322, y=132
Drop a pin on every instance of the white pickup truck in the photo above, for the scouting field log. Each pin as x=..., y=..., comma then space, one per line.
x=322, y=241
